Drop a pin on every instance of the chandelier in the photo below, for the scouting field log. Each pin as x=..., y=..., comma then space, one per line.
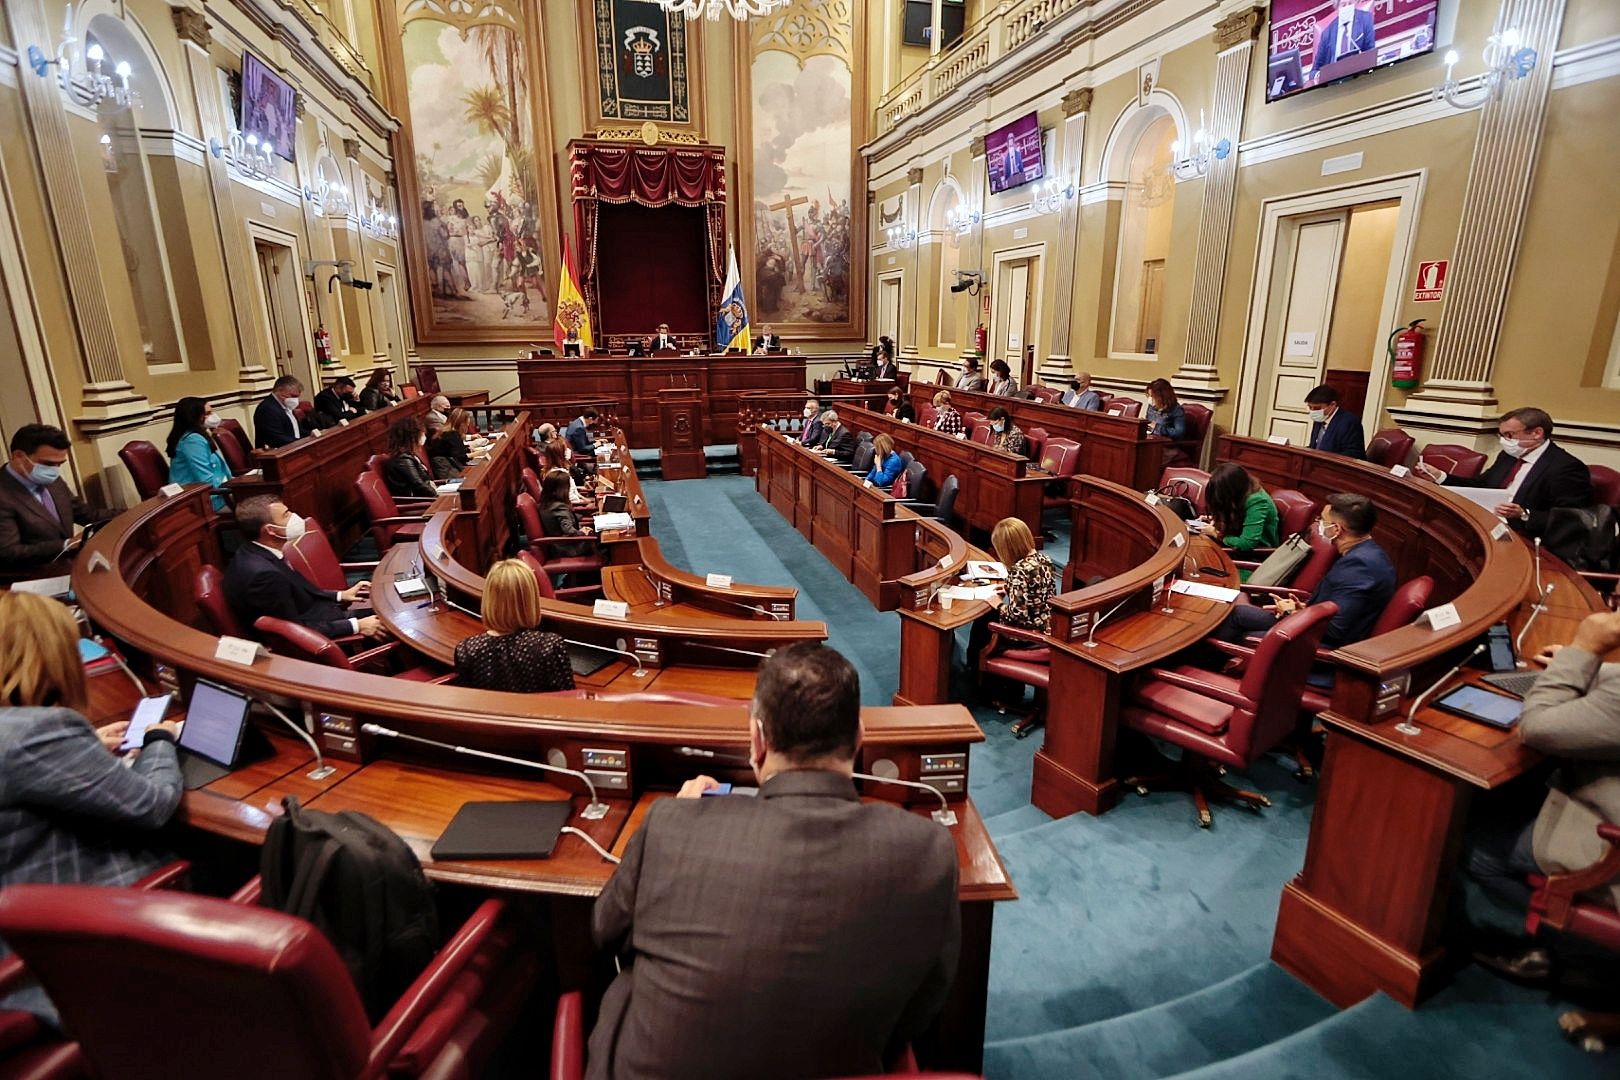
x=741, y=10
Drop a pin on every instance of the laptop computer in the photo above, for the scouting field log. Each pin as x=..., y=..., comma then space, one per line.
x=211, y=740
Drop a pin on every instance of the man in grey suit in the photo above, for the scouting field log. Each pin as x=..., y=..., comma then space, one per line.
x=798, y=933
x=1571, y=714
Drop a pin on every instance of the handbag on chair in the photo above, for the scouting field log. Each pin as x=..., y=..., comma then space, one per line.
x=1281, y=565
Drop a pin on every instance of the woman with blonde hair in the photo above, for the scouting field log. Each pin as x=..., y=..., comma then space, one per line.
x=513, y=653
x=1025, y=601
x=947, y=420
x=69, y=810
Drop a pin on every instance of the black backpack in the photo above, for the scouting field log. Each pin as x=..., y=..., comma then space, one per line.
x=362, y=887
x=1587, y=538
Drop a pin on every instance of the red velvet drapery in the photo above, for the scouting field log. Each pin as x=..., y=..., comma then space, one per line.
x=693, y=176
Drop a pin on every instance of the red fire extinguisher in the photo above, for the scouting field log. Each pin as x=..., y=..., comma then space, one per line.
x=1405, y=355
x=981, y=339
x=323, y=345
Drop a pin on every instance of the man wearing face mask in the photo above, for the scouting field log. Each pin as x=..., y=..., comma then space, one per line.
x=1334, y=430
x=338, y=403
x=798, y=932
x=37, y=510
x=1361, y=580
x=1534, y=474
x=259, y=581
x=1080, y=395
x=813, y=431
x=275, y=421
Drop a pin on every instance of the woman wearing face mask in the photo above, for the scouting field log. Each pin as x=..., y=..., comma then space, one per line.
x=405, y=475
x=1002, y=384
x=194, y=456
x=900, y=407
x=1165, y=416
x=1008, y=437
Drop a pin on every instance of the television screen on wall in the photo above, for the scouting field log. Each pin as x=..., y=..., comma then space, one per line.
x=267, y=107
x=918, y=25
x=1013, y=154
x=1316, y=42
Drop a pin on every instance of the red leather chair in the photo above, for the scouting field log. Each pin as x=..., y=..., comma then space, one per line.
x=1123, y=406
x=388, y=525
x=541, y=578
x=1189, y=483
x=1024, y=656
x=146, y=466
x=982, y=434
x=531, y=484
x=1559, y=902
x=1460, y=461
x=1605, y=484
x=313, y=557
x=232, y=428
x=427, y=378
x=1191, y=448
x=302, y=411
x=237, y=459
x=208, y=590
x=1044, y=393
x=1218, y=720
x=926, y=415
x=1390, y=447
x=294, y=639
x=1060, y=459
x=1036, y=442
x=971, y=418
x=1103, y=400
x=1308, y=576
x=264, y=994
x=553, y=566
x=1295, y=510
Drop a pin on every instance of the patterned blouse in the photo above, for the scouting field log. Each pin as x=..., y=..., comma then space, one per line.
x=949, y=421
x=525, y=662
x=1012, y=440
x=1031, y=584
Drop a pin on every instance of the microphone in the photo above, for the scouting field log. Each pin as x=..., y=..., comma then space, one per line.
x=658, y=587
x=641, y=672
x=1535, y=612
x=729, y=649
x=944, y=815
x=1090, y=638
x=595, y=810
x=711, y=755
x=322, y=770
x=140, y=687
x=1539, y=591
x=1406, y=727
x=755, y=608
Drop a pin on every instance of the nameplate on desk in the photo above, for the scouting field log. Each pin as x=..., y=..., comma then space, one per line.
x=1178, y=540
x=611, y=609
x=944, y=562
x=1399, y=470
x=1502, y=531
x=237, y=650
x=169, y=491
x=718, y=581
x=1153, y=498
x=1439, y=618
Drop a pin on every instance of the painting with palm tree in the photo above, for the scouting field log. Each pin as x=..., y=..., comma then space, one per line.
x=482, y=253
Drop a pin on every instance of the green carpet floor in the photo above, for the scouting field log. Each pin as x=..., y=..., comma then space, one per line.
x=1139, y=946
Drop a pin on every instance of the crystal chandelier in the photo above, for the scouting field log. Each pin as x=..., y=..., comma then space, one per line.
x=741, y=10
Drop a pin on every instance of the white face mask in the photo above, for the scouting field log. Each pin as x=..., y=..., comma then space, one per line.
x=1513, y=448
x=1318, y=415
x=212, y=421
x=1322, y=528
x=292, y=530
x=292, y=402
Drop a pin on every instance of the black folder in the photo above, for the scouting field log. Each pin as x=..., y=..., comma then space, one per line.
x=503, y=830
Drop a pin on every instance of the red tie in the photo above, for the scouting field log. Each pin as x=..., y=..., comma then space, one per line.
x=1513, y=472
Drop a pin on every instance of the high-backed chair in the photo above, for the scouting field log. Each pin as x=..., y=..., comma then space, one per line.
x=232, y=428
x=861, y=462
x=554, y=565
x=1190, y=450
x=294, y=639
x=1044, y=393
x=943, y=508
x=427, y=378
x=1035, y=442
x=915, y=476
x=1410, y=598
x=1561, y=901
x=1390, y=447
x=387, y=524
x=983, y=434
x=208, y=590
x=926, y=415
x=1462, y=462
x=1218, y=720
x=541, y=578
x=1025, y=657
x=146, y=466
x=531, y=483
x=1188, y=483
x=264, y=994
x=313, y=557
x=1295, y=510
x=1605, y=485
x=1060, y=459
x=237, y=459
x=943, y=378
x=1123, y=406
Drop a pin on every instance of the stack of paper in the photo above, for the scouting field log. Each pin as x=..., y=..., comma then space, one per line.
x=608, y=522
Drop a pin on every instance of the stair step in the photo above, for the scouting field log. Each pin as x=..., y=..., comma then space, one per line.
x=1211, y=1024
x=1014, y=821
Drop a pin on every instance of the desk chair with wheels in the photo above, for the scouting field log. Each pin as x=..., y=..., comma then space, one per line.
x=1559, y=902
x=553, y=564
x=1218, y=720
x=264, y=994
x=1025, y=657
x=146, y=466
x=943, y=508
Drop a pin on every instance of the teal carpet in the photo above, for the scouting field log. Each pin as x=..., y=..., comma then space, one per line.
x=1139, y=946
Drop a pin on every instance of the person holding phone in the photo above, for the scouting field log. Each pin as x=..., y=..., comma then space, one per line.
x=39, y=514
x=70, y=813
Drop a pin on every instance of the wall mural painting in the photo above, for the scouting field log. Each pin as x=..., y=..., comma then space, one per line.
x=802, y=112
x=642, y=69
x=484, y=252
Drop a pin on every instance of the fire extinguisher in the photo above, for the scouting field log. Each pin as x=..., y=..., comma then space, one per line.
x=323, y=345
x=1405, y=355
x=981, y=339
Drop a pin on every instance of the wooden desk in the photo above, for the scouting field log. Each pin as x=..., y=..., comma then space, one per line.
x=315, y=475
x=649, y=582
x=927, y=627
x=1116, y=448
x=871, y=393
x=632, y=384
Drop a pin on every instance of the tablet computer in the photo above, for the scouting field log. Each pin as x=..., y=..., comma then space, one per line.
x=211, y=738
x=1485, y=706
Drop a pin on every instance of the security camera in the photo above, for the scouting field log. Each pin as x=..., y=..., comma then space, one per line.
x=967, y=281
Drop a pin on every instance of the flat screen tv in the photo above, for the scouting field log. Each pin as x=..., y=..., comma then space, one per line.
x=918, y=23
x=267, y=107
x=1013, y=154
x=1316, y=42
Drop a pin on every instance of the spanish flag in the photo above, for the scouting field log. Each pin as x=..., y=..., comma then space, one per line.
x=572, y=314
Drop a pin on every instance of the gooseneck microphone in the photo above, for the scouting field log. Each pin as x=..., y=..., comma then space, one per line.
x=1090, y=638
x=1406, y=727
x=322, y=770
x=593, y=811
x=944, y=815
x=641, y=671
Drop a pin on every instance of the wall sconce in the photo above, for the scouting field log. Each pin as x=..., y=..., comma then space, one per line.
x=63, y=60
x=109, y=160
x=328, y=197
x=1205, y=151
x=1507, y=59
x=961, y=220
x=379, y=223
x=900, y=236
x=1050, y=196
x=248, y=156
x=102, y=86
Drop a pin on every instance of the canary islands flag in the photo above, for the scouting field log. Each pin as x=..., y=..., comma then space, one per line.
x=572, y=314
x=731, y=322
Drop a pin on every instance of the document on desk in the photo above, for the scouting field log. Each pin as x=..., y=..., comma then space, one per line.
x=1208, y=592
x=969, y=592
x=1489, y=498
x=45, y=586
x=978, y=569
x=609, y=522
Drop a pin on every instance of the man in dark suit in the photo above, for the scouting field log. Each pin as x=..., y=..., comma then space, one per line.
x=1361, y=580
x=1348, y=33
x=662, y=340
x=1534, y=474
x=37, y=509
x=838, y=442
x=797, y=933
x=767, y=341
x=338, y=403
x=274, y=421
x=813, y=431
x=259, y=581
x=579, y=438
x=1334, y=430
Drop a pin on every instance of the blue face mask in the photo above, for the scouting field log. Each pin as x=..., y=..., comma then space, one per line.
x=999, y=428
x=45, y=475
